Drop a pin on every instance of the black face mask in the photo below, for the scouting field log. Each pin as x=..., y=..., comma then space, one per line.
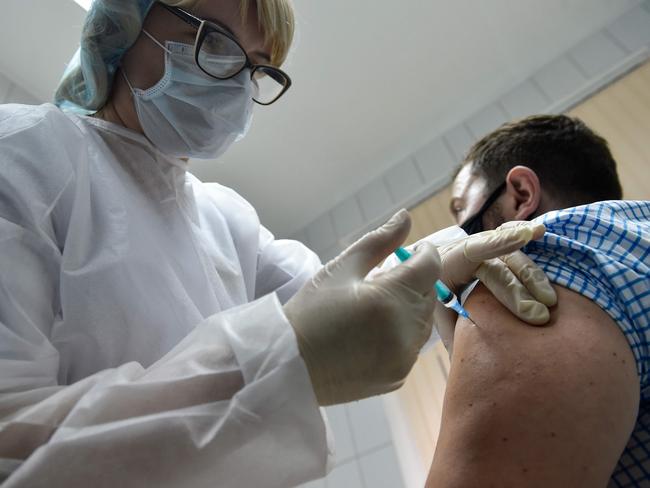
x=474, y=224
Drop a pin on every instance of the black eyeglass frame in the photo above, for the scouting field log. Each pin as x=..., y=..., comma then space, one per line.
x=204, y=27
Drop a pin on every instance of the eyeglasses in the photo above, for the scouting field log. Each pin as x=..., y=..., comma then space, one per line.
x=220, y=55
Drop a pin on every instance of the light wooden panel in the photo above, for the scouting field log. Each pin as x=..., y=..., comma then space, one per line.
x=621, y=114
x=431, y=215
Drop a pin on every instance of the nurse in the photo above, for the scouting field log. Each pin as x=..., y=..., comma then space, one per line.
x=152, y=331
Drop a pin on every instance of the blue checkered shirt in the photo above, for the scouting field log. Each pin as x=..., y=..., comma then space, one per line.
x=602, y=251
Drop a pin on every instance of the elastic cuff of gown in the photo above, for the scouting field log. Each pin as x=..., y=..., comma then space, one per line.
x=267, y=353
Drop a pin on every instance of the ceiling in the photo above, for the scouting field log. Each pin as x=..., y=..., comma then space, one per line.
x=373, y=81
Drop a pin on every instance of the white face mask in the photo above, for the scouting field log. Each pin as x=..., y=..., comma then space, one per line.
x=190, y=114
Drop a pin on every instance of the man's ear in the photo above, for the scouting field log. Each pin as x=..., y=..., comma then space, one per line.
x=522, y=185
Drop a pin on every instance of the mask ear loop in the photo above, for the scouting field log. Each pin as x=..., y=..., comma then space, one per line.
x=126, y=79
x=156, y=41
x=474, y=224
x=124, y=72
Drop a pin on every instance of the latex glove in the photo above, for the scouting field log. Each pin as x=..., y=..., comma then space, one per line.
x=512, y=277
x=360, y=337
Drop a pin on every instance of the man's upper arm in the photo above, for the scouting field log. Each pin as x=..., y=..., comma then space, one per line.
x=536, y=406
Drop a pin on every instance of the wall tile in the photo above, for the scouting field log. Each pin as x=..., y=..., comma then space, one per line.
x=327, y=253
x=597, y=54
x=486, y=120
x=347, y=217
x=338, y=420
x=375, y=200
x=369, y=424
x=300, y=236
x=345, y=476
x=321, y=233
x=632, y=29
x=314, y=484
x=381, y=469
x=560, y=79
x=525, y=99
x=434, y=160
x=403, y=181
x=459, y=140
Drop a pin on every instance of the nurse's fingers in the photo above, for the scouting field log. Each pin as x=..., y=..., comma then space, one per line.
x=507, y=288
x=494, y=243
x=419, y=273
x=532, y=277
x=355, y=262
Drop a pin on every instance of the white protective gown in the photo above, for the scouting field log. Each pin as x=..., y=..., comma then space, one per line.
x=142, y=338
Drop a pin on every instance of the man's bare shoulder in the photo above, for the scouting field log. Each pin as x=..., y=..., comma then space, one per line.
x=536, y=406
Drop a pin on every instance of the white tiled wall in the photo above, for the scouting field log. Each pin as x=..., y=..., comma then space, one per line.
x=380, y=469
x=526, y=98
x=560, y=78
x=597, y=53
x=487, y=119
x=365, y=456
x=430, y=157
x=401, y=179
x=631, y=29
x=369, y=425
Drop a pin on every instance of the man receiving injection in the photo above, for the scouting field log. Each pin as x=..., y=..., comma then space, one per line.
x=530, y=301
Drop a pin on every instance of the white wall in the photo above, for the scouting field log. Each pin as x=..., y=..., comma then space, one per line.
x=365, y=455
x=10, y=92
x=584, y=69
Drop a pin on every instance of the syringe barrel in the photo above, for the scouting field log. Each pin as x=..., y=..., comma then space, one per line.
x=444, y=293
x=452, y=302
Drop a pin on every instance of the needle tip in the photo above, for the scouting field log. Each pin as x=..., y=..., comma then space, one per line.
x=466, y=315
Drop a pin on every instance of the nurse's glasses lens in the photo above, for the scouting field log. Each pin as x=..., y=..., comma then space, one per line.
x=269, y=84
x=220, y=56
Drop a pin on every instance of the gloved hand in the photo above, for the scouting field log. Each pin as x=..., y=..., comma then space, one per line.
x=360, y=337
x=512, y=277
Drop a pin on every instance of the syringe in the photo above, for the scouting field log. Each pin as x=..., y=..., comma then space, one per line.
x=443, y=293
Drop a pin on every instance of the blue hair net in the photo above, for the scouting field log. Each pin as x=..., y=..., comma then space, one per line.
x=110, y=29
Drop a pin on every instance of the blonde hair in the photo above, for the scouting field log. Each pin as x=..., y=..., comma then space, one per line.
x=275, y=17
x=112, y=26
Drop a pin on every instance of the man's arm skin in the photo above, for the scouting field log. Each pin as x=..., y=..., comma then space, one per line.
x=530, y=406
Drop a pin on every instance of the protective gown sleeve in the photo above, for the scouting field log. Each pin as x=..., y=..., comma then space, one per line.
x=230, y=406
x=283, y=266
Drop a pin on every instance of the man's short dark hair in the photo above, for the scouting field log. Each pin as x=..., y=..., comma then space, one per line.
x=573, y=163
